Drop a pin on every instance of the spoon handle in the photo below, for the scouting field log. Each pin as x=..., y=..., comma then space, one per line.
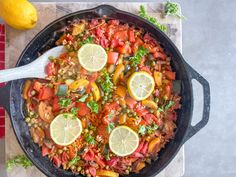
x=26, y=71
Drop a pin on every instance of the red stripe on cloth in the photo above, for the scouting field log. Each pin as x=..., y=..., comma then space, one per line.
x=2, y=66
x=2, y=121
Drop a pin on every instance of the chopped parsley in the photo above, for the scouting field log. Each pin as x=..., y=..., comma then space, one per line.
x=112, y=113
x=65, y=102
x=106, y=82
x=87, y=40
x=19, y=160
x=83, y=98
x=149, y=129
x=91, y=127
x=136, y=59
x=166, y=107
x=93, y=106
x=172, y=8
x=90, y=139
x=110, y=127
x=144, y=14
x=74, y=111
x=74, y=161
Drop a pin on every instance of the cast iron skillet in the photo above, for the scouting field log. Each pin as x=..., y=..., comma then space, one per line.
x=11, y=94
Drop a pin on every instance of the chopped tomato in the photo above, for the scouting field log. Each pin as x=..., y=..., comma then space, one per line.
x=149, y=118
x=92, y=171
x=126, y=49
x=131, y=35
x=45, y=150
x=149, y=39
x=112, y=106
x=93, y=77
x=69, y=37
x=46, y=93
x=56, y=106
x=147, y=69
x=159, y=55
x=116, y=43
x=57, y=161
x=114, y=22
x=37, y=86
x=130, y=102
x=100, y=161
x=99, y=32
x=168, y=89
x=83, y=109
x=140, y=146
x=51, y=69
x=113, y=161
x=104, y=42
x=64, y=157
x=141, y=110
x=144, y=149
x=112, y=57
x=89, y=155
x=170, y=75
x=122, y=35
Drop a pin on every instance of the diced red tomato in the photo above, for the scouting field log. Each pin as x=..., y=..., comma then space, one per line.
x=99, y=32
x=92, y=171
x=137, y=155
x=147, y=69
x=116, y=43
x=131, y=35
x=113, y=161
x=122, y=35
x=112, y=106
x=141, y=110
x=159, y=55
x=104, y=42
x=89, y=155
x=45, y=150
x=56, y=106
x=126, y=49
x=170, y=75
x=93, y=77
x=69, y=37
x=149, y=118
x=100, y=161
x=130, y=102
x=83, y=109
x=57, y=161
x=112, y=57
x=51, y=69
x=144, y=148
x=168, y=89
x=37, y=86
x=64, y=157
x=140, y=146
x=46, y=93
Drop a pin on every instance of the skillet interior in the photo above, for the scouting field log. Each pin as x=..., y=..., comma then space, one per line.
x=46, y=39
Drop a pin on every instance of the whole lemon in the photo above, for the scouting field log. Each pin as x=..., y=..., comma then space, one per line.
x=19, y=14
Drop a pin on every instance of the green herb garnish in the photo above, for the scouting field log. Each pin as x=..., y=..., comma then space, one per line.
x=142, y=129
x=74, y=111
x=110, y=127
x=93, y=106
x=143, y=13
x=91, y=127
x=83, y=98
x=172, y=8
x=87, y=40
x=90, y=139
x=65, y=102
x=106, y=82
x=166, y=107
x=136, y=59
x=19, y=160
x=147, y=129
x=74, y=161
x=111, y=114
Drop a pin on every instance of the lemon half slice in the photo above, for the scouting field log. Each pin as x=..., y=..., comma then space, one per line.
x=123, y=141
x=140, y=85
x=92, y=57
x=65, y=129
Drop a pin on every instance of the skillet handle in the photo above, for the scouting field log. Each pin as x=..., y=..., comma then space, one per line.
x=5, y=97
x=192, y=130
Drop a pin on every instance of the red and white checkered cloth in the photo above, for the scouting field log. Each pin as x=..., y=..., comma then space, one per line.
x=2, y=66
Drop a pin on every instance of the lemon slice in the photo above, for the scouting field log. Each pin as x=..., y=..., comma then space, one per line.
x=65, y=129
x=92, y=57
x=123, y=141
x=140, y=85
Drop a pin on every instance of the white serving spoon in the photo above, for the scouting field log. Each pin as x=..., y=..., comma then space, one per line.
x=35, y=69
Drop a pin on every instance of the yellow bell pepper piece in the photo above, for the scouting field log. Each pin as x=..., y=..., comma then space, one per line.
x=119, y=70
x=158, y=78
x=78, y=84
x=106, y=173
x=95, y=91
x=153, y=144
x=149, y=103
